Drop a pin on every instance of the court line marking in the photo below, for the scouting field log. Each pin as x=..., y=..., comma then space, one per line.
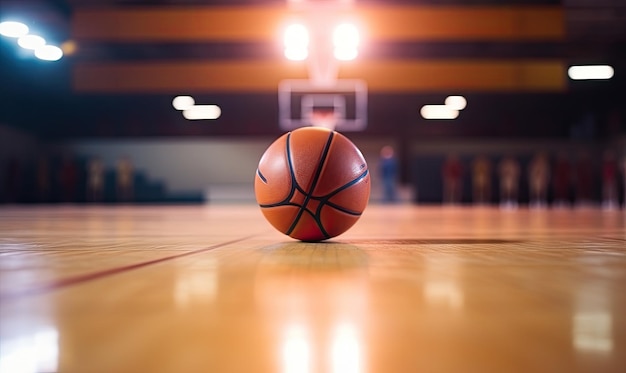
x=87, y=277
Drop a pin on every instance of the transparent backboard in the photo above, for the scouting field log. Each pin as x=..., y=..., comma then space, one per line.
x=299, y=100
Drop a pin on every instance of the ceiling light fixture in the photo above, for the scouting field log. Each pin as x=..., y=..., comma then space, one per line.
x=13, y=29
x=199, y=112
x=590, y=72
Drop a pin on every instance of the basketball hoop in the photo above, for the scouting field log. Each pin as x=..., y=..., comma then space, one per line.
x=322, y=36
x=342, y=106
x=324, y=118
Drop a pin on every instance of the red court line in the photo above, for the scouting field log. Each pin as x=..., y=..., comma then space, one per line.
x=80, y=279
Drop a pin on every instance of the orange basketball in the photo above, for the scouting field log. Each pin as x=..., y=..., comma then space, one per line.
x=312, y=184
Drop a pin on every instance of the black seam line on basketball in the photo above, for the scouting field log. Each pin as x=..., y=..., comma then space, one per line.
x=343, y=187
x=285, y=202
x=313, y=184
x=342, y=209
x=92, y=276
x=270, y=205
x=294, y=182
x=324, y=200
x=258, y=172
x=318, y=220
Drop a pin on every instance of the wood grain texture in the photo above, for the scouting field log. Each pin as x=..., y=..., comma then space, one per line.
x=265, y=23
x=547, y=75
x=216, y=289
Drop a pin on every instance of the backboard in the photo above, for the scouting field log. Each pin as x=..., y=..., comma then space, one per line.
x=345, y=102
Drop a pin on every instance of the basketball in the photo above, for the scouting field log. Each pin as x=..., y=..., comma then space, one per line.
x=312, y=184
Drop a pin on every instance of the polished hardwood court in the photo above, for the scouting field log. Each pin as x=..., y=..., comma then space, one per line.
x=216, y=289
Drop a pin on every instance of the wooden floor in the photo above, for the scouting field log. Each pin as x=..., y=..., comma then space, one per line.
x=216, y=289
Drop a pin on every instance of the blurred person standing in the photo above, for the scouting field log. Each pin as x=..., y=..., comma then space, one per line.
x=561, y=180
x=389, y=172
x=125, y=175
x=609, y=180
x=43, y=179
x=68, y=179
x=509, y=182
x=538, y=178
x=95, y=180
x=452, y=173
x=584, y=179
x=481, y=179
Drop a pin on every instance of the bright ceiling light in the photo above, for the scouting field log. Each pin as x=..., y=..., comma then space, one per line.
x=31, y=42
x=590, y=72
x=183, y=102
x=296, y=36
x=456, y=102
x=346, y=54
x=438, y=112
x=296, y=54
x=13, y=29
x=346, y=36
x=49, y=53
x=296, y=41
x=199, y=112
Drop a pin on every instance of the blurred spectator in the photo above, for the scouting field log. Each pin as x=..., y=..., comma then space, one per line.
x=509, y=182
x=95, y=180
x=43, y=179
x=609, y=180
x=125, y=174
x=68, y=180
x=452, y=174
x=584, y=179
x=561, y=180
x=481, y=179
x=538, y=177
x=389, y=173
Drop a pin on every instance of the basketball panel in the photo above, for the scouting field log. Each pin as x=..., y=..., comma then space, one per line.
x=307, y=229
x=307, y=147
x=336, y=222
x=281, y=217
x=355, y=197
x=345, y=163
x=272, y=182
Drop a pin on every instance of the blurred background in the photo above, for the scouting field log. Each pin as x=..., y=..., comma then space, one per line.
x=101, y=109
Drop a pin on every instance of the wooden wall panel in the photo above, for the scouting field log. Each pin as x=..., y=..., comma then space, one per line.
x=264, y=76
x=177, y=76
x=464, y=23
x=262, y=23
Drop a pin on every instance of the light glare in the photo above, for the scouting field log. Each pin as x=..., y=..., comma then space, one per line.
x=13, y=29
x=200, y=112
x=31, y=42
x=296, y=54
x=296, y=36
x=49, y=53
x=346, y=354
x=346, y=36
x=346, y=54
x=438, y=112
x=183, y=102
x=456, y=102
x=296, y=350
x=590, y=72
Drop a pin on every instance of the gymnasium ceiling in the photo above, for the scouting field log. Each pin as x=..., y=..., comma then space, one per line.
x=508, y=57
